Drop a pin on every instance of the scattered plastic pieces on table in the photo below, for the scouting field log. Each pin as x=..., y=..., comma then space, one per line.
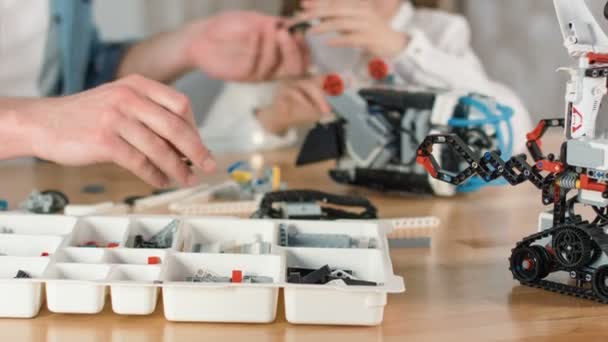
x=251, y=182
x=45, y=202
x=93, y=189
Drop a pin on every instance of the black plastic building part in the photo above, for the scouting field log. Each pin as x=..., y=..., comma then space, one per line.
x=130, y=200
x=267, y=210
x=319, y=276
x=22, y=275
x=395, y=100
x=384, y=180
x=322, y=276
x=141, y=243
x=323, y=142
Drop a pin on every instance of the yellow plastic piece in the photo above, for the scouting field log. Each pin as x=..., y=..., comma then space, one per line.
x=276, y=178
x=241, y=176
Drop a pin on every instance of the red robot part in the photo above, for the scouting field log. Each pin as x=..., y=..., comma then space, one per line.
x=427, y=163
x=597, y=58
x=378, y=69
x=334, y=85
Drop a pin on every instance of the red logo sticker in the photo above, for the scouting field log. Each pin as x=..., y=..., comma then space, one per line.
x=577, y=120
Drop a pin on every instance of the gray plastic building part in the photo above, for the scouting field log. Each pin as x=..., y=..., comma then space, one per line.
x=203, y=276
x=254, y=248
x=301, y=210
x=424, y=242
x=290, y=237
x=366, y=145
x=583, y=154
x=252, y=279
x=5, y=230
x=38, y=203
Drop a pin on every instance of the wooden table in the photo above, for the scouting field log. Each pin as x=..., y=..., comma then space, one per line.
x=459, y=288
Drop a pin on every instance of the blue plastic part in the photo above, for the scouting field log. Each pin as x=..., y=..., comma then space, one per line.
x=237, y=166
x=3, y=205
x=502, y=116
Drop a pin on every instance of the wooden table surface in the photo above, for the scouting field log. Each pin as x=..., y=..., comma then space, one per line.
x=459, y=288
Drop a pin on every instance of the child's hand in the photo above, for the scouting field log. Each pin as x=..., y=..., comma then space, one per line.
x=296, y=102
x=359, y=25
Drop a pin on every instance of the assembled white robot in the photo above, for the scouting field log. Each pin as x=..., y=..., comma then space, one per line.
x=566, y=241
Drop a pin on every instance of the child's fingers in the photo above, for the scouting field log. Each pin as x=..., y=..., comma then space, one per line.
x=311, y=4
x=325, y=13
x=291, y=55
x=312, y=90
x=342, y=25
x=295, y=95
x=350, y=40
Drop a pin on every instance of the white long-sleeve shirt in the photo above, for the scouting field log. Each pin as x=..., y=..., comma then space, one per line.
x=439, y=55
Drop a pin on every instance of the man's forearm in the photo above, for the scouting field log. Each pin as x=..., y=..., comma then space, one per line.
x=162, y=58
x=14, y=129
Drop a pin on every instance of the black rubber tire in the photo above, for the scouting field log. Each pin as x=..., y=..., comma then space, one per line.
x=547, y=261
x=532, y=254
x=600, y=286
x=573, y=248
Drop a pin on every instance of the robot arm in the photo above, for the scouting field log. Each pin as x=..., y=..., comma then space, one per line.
x=581, y=32
x=587, y=42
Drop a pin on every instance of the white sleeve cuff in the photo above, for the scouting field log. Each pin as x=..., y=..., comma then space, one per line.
x=412, y=62
x=263, y=140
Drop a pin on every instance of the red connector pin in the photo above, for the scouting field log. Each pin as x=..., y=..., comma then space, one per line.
x=154, y=260
x=237, y=276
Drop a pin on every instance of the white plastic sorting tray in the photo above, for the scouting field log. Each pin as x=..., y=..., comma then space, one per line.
x=78, y=279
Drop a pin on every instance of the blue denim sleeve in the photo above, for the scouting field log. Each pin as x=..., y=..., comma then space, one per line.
x=105, y=58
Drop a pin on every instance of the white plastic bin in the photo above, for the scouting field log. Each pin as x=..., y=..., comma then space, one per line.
x=101, y=230
x=149, y=226
x=76, y=288
x=226, y=302
x=29, y=245
x=213, y=233
x=134, y=289
x=335, y=304
x=74, y=255
x=21, y=298
x=133, y=256
x=26, y=224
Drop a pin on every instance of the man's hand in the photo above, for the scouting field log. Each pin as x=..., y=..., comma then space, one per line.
x=360, y=24
x=139, y=124
x=296, y=102
x=245, y=46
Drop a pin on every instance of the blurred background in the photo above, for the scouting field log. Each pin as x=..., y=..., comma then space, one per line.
x=518, y=40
